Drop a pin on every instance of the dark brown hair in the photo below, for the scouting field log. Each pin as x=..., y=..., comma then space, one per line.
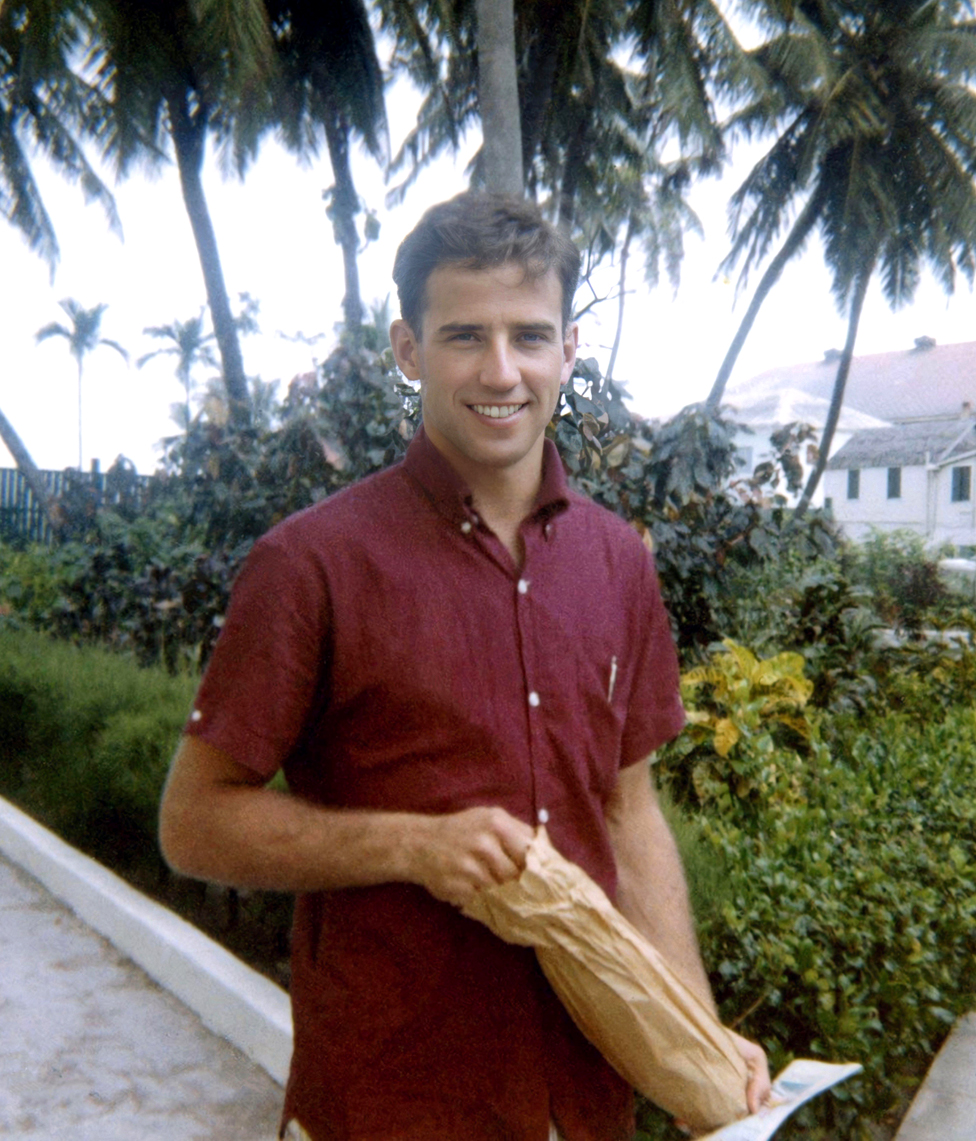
x=482, y=231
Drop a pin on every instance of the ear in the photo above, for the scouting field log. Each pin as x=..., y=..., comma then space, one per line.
x=570, y=345
x=406, y=349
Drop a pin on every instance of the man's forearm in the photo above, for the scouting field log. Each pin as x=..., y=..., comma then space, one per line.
x=218, y=822
x=651, y=889
x=262, y=838
x=662, y=912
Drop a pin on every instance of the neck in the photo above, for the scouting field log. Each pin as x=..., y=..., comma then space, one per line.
x=503, y=503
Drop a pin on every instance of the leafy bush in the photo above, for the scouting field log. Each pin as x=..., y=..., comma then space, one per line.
x=922, y=677
x=851, y=933
x=156, y=581
x=741, y=710
x=848, y=931
x=86, y=738
x=810, y=606
x=905, y=582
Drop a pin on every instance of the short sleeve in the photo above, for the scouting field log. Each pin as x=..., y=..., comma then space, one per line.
x=655, y=714
x=267, y=671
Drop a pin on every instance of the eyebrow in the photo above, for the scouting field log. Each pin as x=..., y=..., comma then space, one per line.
x=521, y=327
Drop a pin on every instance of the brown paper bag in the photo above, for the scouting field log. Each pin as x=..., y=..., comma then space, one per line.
x=618, y=989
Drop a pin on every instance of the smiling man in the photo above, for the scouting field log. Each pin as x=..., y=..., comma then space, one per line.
x=440, y=658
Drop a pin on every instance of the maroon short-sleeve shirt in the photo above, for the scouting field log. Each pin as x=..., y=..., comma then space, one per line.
x=384, y=650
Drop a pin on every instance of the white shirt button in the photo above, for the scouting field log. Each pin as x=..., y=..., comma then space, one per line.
x=466, y=528
x=543, y=815
x=533, y=699
x=523, y=586
x=196, y=715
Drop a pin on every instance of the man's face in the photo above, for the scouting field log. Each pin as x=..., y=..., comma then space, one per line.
x=490, y=362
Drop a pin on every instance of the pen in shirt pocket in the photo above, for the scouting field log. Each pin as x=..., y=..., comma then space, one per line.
x=613, y=677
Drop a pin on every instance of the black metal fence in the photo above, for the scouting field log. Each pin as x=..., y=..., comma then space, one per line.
x=22, y=517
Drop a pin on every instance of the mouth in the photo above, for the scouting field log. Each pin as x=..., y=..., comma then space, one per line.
x=496, y=411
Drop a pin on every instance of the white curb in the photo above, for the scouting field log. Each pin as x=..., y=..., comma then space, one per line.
x=230, y=998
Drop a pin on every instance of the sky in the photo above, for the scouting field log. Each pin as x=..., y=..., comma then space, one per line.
x=276, y=244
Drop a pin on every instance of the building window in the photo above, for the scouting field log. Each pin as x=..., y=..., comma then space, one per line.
x=854, y=483
x=962, y=484
x=894, y=483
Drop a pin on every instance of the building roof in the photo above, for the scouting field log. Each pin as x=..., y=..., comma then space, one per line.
x=792, y=405
x=907, y=445
x=926, y=382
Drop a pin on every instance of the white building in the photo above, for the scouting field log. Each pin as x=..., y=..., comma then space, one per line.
x=909, y=411
x=916, y=477
x=762, y=414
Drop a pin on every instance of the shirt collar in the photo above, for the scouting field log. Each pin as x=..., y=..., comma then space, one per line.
x=451, y=496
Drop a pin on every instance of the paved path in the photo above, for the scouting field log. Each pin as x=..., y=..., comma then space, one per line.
x=944, y=1108
x=92, y=1050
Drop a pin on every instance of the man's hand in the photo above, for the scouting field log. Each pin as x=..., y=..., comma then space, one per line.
x=456, y=855
x=759, y=1086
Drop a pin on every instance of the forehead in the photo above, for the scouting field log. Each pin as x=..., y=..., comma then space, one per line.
x=499, y=293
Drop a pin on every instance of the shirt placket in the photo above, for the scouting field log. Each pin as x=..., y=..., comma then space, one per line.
x=536, y=695
x=533, y=687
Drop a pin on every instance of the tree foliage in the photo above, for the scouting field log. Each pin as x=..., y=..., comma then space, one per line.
x=46, y=107
x=874, y=116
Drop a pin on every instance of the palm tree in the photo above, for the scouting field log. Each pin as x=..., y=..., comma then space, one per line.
x=83, y=338
x=876, y=115
x=327, y=83
x=26, y=466
x=585, y=117
x=229, y=70
x=191, y=347
x=175, y=74
x=45, y=108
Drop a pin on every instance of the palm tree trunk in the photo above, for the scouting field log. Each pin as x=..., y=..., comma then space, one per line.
x=795, y=239
x=81, y=460
x=837, y=398
x=26, y=466
x=345, y=206
x=189, y=134
x=624, y=254
x=498, y=97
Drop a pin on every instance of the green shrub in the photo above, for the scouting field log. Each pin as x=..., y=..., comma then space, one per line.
x=110, y=798
x=810, y=606
x=744, y=714
x=851, y=931
x=86, y=740
x=846, y=926
x=905, y=582
x=921, y=678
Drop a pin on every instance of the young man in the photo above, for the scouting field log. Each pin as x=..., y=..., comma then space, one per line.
x=441, y=657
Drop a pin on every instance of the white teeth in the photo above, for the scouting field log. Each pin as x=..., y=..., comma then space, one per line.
x=496, y=411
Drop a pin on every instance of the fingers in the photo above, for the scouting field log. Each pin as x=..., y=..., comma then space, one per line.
x=759, y=1085
x=464, y=852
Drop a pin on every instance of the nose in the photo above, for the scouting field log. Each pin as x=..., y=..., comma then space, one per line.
x=499, y=367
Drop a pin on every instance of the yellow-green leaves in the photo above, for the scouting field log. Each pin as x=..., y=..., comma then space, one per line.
x=746, y=720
